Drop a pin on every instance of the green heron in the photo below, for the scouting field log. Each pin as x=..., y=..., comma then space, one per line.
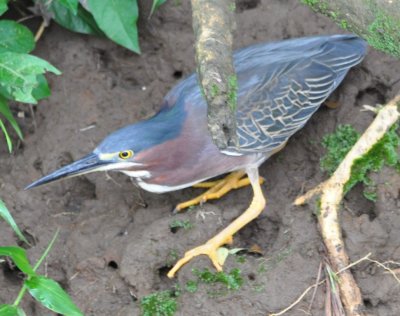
x=280, y=85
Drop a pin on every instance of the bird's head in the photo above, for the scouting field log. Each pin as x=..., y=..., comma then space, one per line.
x=119, y=151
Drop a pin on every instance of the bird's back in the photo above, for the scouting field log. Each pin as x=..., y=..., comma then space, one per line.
x=280, y=85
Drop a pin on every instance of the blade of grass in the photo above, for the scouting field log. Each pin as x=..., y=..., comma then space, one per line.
x=8, y=139
x=5, y=110
x=5, y=214
x=45, y=253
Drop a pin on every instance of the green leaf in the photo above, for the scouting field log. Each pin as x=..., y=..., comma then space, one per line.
x=8, y=139
x=71, y=5
x=82, y=22
x=51, y=295
x=5, y=214
x=42, y=90
x=11, y=310
x=117, y=19
x=156, y=4
x=3, y=6
x=18, y=74
x=5, y=110
x=15, y=37
x=19, y=257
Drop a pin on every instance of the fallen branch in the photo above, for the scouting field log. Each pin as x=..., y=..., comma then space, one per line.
x=331, y=192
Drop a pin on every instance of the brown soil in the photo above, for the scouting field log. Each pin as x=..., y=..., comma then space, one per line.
x=115, y=242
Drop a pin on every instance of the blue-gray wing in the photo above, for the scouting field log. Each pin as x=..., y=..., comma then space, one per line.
x=281, y=86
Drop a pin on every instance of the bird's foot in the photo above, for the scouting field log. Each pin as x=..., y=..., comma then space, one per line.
x=217, y=189
x=210, y=249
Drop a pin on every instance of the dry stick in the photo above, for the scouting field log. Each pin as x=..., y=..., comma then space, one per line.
x=315, y=288
x=40, y=31
x=331, y=196
x=386, y=268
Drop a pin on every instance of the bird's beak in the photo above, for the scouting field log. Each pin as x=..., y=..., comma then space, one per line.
x=89, y=163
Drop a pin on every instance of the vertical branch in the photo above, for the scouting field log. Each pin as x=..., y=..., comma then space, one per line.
x=213, y=23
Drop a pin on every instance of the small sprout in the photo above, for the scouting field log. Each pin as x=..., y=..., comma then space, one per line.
x=176, y=224
x=262, y=268
x=191, y=286
x=159, y=303
x=232, y=280
x=240, y=259
x=258, y=288
x=172, y=257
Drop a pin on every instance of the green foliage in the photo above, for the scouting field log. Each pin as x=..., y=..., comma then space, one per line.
x=159, y=304
x=19, y=257
x=186, y=224
x=18, y=74
x=46, y=291
x=5, y=214
x=156, y=4
x=384, y=152
x=3, y=6
x=383, y=33
x=337, y=144
x=117, y=19
x=232, y=280
x=21, y=74
x=232, y=92
x=191, y=286
x=51, y=295
x=10, y=310
x=81, y=22
x=15, y=38
x=71, y=5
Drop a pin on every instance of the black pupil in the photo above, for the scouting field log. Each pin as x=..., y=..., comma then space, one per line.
x=125, y=154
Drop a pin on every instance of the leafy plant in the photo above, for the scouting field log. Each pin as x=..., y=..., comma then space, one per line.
x=232, y=280
x=176, y=224
x=46, y=291
x=161, y=303
x=21, y=74
x=116, y=19
x=5, y=214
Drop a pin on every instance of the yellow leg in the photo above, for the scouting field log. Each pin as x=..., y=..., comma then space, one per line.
x=226, y=236
x=217, y=189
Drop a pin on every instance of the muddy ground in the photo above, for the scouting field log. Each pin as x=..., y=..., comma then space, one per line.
x=115, y=241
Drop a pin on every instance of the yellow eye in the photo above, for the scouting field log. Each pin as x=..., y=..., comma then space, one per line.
x=126, y=154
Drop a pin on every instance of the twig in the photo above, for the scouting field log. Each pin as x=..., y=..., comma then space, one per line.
x=40, y=31
x=315, y=288
x=386, y=268
x=298, y=300
x=331, y=195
